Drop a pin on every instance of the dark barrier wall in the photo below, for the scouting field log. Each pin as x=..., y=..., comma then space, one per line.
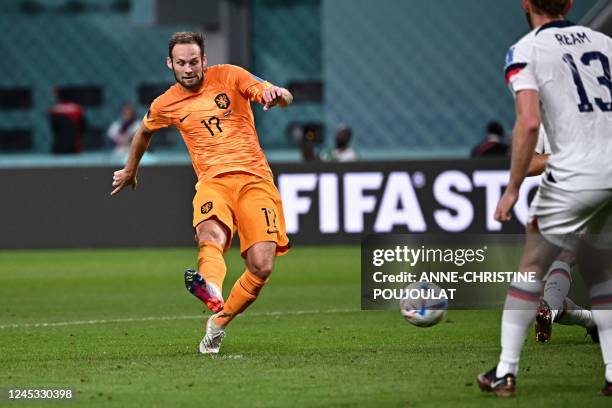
x=72, y=207
x=324, y=203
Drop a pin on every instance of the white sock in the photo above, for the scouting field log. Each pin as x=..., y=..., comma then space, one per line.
x=520, y=310
x=601, y=301
x=558, y=281
x=575, y=315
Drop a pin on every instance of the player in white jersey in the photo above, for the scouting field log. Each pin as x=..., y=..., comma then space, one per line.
x=560, y=75
x=555, y=306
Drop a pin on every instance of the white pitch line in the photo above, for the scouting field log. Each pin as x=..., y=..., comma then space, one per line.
x=163, y=318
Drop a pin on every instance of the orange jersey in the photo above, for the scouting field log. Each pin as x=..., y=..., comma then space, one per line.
x=216, y=121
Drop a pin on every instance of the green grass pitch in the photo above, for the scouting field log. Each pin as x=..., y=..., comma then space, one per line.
x=124, y=333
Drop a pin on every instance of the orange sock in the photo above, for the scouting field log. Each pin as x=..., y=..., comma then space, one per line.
x=245, y=291
x=211, y=264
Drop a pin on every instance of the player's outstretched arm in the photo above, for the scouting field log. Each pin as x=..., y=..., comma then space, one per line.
x=276, y=96
x=127, y=175
x=525, y=137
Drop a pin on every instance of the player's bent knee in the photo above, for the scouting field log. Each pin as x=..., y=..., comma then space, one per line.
x=212, y=230
x=568, y=257
x=261, y=270
x=260, y=259
x=260, y=266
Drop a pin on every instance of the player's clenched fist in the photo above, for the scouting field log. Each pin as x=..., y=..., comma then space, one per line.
x=505, y=205
x=275, y=95
x=122, y=178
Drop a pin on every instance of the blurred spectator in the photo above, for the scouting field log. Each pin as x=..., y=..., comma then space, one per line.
x=309, y=152
x=310, y=138
x=121, y=131
x=493, y=143
x=343, y=152
x=67, y=121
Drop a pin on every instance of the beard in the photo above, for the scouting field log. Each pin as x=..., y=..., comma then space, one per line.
x=528, y=16
x=193, y=83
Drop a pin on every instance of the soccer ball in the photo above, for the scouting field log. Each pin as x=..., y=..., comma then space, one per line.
x=421, y=305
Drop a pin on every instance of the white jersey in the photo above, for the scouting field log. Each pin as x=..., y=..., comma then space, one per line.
x=542, y=145
x=569, y=66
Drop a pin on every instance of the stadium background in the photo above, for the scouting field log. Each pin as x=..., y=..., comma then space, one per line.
x=417, y=81
x=412, y=79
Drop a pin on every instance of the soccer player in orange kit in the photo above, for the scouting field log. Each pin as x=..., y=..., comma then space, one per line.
x=235, y=191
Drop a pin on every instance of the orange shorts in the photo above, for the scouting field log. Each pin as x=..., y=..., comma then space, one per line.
x=244, y=202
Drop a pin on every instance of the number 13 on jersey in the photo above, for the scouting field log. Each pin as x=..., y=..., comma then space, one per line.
x=604, y=80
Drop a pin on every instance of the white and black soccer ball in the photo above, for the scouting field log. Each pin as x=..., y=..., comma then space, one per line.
x=421, y=305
